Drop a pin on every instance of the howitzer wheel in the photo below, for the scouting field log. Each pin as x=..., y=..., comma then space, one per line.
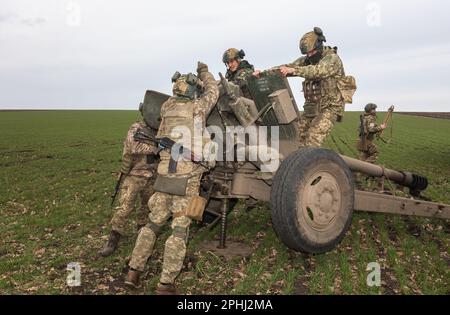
x=312, y=200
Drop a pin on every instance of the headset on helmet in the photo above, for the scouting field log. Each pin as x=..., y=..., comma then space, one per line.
x=312, y=40
x=187, y=85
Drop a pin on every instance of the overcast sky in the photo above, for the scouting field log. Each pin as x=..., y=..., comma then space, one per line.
x=92, y=54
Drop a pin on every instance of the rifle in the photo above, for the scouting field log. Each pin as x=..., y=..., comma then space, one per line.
x=166, y=143
x=362, y=131
x=117, y=188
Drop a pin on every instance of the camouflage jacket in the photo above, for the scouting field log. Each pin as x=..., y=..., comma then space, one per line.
x=239, y=77
x=184, y=120
x=328, y=72
x=138, y=159
x=371, y=127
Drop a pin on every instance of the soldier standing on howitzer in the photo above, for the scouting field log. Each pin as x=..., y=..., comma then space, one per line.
x=178, y=183
x=368, y=129
x=139, y=164
x=238, y=70
x=326, y=87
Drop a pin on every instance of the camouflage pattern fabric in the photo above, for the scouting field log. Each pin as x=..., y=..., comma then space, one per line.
x=135, y=154
x=370, y=152
x=328, y=71
x=240, y=76
x=139, y=179
x=370, y=155
x=164, y=205
x=176, y=112
x=133, y=188
x=313, y=131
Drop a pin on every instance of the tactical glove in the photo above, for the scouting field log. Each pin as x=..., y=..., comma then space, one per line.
x=201, y=68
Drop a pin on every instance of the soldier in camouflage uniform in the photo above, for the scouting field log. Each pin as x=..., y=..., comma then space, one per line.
x=324, y=103
x=183, y=109
x=139, y=163
x=368, y=151
x=238, y=70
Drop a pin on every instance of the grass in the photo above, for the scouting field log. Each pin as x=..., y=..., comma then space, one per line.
x=58, y=171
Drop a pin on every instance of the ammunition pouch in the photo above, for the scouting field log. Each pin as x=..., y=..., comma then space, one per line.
x=196, y=208
x=312, y=91
x=172, y=186
x=311, y=110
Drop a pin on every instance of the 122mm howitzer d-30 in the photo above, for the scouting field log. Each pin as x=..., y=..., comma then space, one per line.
x=312, y=193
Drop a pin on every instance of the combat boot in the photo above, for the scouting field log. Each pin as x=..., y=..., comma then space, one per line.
x=132, y=279
x=166, y=289
x=111, y=244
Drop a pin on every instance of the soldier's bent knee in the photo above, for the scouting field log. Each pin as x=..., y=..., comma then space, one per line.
x=154, y=228
x=180, y=232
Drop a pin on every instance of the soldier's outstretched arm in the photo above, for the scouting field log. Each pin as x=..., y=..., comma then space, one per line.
x=300, y=62
x=209, y=98
x=328, y=67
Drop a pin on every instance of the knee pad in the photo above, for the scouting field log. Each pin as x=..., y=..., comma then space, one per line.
x=154, y=228
x=181, y=232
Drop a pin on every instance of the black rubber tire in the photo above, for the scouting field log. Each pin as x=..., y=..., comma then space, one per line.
x=288, y=221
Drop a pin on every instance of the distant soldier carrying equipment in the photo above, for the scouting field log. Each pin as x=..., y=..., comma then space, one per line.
x=238, y=70
x=326, y=87
x=136, y=179
x=178, y=183
x=368, y=129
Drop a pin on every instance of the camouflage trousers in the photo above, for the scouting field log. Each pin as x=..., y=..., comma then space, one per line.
x=313, y=131
x=163, y=206
x=370, y=154
x=133, y=187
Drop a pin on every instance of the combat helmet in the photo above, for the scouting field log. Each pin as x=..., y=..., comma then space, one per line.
x=312, y=40
x=186, y=85
x=370, y=108
x=231, y=54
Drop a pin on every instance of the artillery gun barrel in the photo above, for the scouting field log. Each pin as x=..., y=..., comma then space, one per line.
x=415, y=183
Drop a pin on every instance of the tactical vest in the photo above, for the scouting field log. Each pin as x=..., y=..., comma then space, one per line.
x=315, y=90
x=176, y=123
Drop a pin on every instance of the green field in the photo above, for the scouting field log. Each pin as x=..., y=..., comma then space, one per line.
x=58, y=169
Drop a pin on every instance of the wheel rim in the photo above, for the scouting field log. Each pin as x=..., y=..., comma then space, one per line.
x=320, y=200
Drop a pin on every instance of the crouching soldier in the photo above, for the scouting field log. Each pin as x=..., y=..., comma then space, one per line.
x=139, y=164
x=178, y=182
